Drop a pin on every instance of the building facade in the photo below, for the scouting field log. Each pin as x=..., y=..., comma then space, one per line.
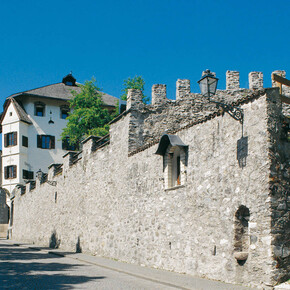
x=180, y=185
x=32, y=124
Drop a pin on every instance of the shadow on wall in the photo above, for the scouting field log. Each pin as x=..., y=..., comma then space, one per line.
x=242, y=151
x=78, y=246
x=54, y=242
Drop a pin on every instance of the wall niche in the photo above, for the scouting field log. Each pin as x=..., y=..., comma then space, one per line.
x=241, y=235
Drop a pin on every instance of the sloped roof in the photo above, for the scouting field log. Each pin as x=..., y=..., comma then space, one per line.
x=19, y=110
x=166, y=140
x=62, y=92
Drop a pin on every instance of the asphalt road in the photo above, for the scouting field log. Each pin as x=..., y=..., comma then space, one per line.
x=24, y=268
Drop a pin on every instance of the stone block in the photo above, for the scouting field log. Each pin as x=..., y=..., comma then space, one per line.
x=255, y=80
x=182, y=88
x=134, y=98
x=158, y=94
x=232, y=80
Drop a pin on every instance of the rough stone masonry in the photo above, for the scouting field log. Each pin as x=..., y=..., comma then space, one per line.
x=214, y=203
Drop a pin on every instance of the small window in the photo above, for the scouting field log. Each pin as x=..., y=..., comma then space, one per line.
x=10, y=114
x=10, y=172
x=10, y=139
x=174, y=162
x=27, y=174
x=66, y=145
x=64, y=111
x=45, y=142
x=175, y=154
x=39, y=109
x=24, y=141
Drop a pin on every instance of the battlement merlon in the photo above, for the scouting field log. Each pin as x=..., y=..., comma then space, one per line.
x=158, y=94
x=232, y=80
x=255, y=80
x=134, y=98
x=182, y=88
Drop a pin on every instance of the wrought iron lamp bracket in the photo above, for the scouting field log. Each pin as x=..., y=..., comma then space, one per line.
x=235, y=112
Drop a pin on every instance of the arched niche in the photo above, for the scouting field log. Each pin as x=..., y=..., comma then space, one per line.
x=241, y=234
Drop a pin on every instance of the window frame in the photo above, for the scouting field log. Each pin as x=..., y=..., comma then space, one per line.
x=26, y=174
x=10, y=139
x=66, y=109
x=24, y=141
x=10, y=172
x=37, y=106
x=67, y=146
x=175, y=166
x=44, y=140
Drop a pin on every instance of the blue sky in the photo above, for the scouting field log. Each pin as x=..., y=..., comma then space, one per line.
x=161, y=40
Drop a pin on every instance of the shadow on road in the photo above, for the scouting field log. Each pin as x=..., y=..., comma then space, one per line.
x=22, y=268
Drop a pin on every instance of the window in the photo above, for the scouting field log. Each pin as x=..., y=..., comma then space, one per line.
x=24, y=141
x=174, y=153
x=67, y=146
x=39, y=109
x=45, y=141
x=27, y=174
x=174, y=166
x=64, y=111
x=10, y=139
x=10, y=172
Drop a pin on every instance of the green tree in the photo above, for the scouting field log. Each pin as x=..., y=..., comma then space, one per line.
x=136, y=82
x=88, y=116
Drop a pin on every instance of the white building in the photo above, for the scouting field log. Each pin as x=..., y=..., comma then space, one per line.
x=32, y=123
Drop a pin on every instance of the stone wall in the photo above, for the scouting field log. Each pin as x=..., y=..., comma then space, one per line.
x=4, y=209
x=279, y=198
x=112, y=202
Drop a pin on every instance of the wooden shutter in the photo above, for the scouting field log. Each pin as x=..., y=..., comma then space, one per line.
x=178, y=170
x=14, y=138
x=14, y=171
x=39, y=145
x=5, y=140
x=30, y=174
x=6, y=172
x=52, y=142
x=24, y=174
x=24, y=141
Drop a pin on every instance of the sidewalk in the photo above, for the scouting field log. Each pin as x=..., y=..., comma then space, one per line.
x=166, y=278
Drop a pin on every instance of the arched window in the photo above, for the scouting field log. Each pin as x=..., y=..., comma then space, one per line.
x=64, y=111
x=241, y=238
x=39, y=109
x=174, y=153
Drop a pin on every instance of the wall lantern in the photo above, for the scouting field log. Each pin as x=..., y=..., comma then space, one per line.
x=208, y=85
x=50, y=121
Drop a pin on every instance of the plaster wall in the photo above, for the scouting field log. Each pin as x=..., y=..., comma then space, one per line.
x=39, y=158
x=116, y=206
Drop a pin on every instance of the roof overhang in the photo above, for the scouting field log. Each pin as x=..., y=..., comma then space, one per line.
x=167, y=140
